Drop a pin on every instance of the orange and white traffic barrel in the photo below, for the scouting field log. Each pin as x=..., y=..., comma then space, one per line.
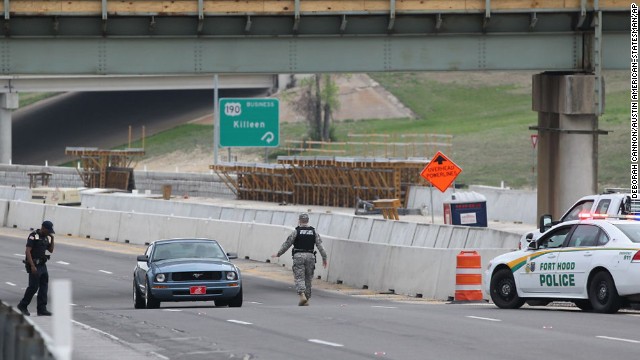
x=468, y=276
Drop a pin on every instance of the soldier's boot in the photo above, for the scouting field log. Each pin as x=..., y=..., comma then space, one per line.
x=303, y=300
x=308, y=300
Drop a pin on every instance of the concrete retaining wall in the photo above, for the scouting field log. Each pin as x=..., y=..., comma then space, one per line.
x=500, y=202
x=191, y=184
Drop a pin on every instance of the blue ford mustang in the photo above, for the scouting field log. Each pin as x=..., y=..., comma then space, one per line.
x=186, y=270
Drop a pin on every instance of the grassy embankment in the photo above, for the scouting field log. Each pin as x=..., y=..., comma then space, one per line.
x=490, y=125
x=26, y=99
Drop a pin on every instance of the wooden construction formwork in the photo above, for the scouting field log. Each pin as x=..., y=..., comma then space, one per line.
x=322, y=180
x=259, y=182
x=105, y=168
x=341, y=181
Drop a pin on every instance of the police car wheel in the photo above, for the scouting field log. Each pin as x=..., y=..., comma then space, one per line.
x=603, y=294
x=138, y=300
x=503, y=290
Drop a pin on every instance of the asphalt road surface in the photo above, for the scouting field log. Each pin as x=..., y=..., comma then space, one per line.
x=335, y=326
x=42, y=131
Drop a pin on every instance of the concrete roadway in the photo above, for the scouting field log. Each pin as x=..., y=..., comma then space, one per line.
x=42, y=131
x=341, y=323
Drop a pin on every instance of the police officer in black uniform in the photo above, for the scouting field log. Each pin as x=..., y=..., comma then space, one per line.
x=303, y=239
x=38, y=242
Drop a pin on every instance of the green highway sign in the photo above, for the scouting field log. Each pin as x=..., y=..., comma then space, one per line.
x=249, y=122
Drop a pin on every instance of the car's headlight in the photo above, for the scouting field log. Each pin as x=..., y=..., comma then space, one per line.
x=232, y=276
x=160, y=278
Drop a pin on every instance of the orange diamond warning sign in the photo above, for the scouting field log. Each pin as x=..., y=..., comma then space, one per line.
x=441, y=172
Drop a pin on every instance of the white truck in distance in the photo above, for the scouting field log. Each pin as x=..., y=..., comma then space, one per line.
x=611, y=202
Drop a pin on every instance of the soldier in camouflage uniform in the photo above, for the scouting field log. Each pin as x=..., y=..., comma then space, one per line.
x=303, y=239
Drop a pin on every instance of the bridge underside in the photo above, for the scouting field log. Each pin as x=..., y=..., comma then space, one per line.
x=148, y=44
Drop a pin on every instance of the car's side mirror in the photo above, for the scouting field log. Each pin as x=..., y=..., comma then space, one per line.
x=533, y=245
x=545, y=223
x=231, y=255
x=143, y=258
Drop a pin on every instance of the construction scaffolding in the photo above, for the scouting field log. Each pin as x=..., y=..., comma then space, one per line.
x=373, y=145
x=260, y=182
x=323, y=180
x=106, y=168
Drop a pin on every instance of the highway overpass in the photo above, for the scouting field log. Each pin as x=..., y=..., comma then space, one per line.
x=102, y=37
x=572, y=39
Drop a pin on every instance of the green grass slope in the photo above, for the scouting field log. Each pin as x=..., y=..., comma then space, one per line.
x=489, y=121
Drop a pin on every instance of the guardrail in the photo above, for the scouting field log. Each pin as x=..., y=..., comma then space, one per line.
x=19, y=338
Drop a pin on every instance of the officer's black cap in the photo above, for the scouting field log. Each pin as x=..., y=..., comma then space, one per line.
x=49, y=226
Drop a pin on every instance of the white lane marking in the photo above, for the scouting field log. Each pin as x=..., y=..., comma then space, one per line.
x=106, y=272
x=483, y=318
x=158, y=355
x=62, y=262
x=87, y=327
x=239, y=322
x=112, y=337
x=384, y=307
x=172, y=310
x=322, y=342
x=19, y=254
x=254, y=302
x=10, y=283
x=619, y=339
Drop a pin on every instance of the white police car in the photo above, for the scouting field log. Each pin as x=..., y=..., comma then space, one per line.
x=594, y=263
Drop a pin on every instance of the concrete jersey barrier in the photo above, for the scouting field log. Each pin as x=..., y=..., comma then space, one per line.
x=332, y=224
x=411, y=270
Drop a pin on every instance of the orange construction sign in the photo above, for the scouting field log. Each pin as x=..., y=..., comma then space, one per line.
x=441, y=172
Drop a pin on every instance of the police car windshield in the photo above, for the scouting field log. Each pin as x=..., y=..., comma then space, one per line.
x=632, y=231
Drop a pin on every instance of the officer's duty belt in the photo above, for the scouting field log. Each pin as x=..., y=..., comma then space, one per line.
x=295, y=251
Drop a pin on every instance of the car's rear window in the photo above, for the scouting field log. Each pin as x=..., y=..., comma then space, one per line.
x=632, y=230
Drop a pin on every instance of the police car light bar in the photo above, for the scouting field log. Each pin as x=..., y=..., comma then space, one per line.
x=588, y=216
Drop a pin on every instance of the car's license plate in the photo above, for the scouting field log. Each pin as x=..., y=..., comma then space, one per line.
x=198, y=290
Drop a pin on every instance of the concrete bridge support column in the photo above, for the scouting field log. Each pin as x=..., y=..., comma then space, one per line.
x=8, y=102
x=567, y=139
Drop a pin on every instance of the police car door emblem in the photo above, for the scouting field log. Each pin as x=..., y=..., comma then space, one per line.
x=529, y=267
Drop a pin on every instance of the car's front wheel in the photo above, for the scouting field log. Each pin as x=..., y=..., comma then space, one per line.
x=237, y=300
x=503, y=290
x=138, y=300
x=150, y=301
x=603, y=293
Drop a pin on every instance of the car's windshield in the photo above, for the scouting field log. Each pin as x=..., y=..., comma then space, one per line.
x=181, y=250
x=574, y=213
x=632, y=230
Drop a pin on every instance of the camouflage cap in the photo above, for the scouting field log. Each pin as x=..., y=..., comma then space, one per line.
x=304, y=217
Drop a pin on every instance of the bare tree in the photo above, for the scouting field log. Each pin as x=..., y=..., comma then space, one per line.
x=317, y=101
